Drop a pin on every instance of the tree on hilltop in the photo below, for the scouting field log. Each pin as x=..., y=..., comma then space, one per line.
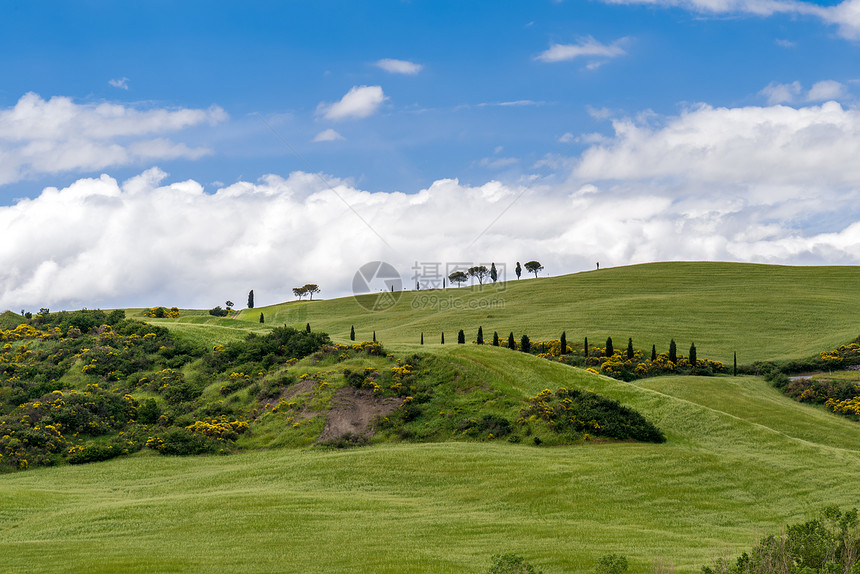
x=534, y=267
x=251, y=299
x=494, y=275
x=479, y=272
x=458, y=277
x=518, y=270
x=310, y=289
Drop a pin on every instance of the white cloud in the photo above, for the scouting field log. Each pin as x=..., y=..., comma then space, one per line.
x=567, y=137
x=775, y=145
x=359, y=102
x=328, y=135
x=399, y=66
x=826, y=90
x=845, y=15
x=781, y=93
x=777, y=93
x=588, y=48
x=40, y=136
x=121, y=83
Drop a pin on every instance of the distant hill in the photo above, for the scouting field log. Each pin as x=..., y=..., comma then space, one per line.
x=763, y=312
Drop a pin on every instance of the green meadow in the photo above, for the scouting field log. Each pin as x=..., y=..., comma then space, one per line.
x=741, y=460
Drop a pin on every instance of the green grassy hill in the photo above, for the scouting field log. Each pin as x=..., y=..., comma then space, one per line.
x=763, y=312
x=741, y=460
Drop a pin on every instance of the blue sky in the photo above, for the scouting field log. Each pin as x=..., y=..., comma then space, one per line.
x=618, y=130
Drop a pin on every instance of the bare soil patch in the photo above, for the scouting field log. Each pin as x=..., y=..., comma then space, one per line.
x=353, y=411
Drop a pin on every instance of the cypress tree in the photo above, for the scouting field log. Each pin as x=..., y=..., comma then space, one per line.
x=495, y=339
x=374, y=336
x=443, y=337
x=585, y=348
x=692, y=355
x=352, y=333
x=251, y=300
x=262, y=319
x=673, y=352
x=422, y=338
x=653, y=353
x=518, y=270
x=735, y=370
x=609, y=350
x=308, y=328
x=525, y=344
x=563, y=343
x=480, y=335
x=511, y=343
x=630, y=348
x=493, y=273
x=461, y=337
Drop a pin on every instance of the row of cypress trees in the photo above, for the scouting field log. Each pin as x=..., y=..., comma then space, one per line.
x=525, y=345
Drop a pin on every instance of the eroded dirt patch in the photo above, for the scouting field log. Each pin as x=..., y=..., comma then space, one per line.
x=352, y=412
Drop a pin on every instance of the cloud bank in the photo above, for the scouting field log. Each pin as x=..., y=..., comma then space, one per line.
x=766, y=184
x=40, y=136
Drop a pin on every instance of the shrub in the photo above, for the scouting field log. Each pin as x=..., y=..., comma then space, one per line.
x=181, y=441
x=217, y=311
x=611, y=564
x=511, y=564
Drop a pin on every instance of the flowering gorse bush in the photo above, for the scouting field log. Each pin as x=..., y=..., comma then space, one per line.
x=577, y=414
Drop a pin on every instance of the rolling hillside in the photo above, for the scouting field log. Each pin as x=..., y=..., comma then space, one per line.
x=741, y=460
x=738, y=463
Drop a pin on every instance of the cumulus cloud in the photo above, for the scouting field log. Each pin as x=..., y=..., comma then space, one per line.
x=808, y=146
x=826, y=90
x=359, y=102
x=845, y=15
x=772, y=184
x=587, y=48
x=40, y=136
x=328, y=135
x=781, y=93
x=393, y=66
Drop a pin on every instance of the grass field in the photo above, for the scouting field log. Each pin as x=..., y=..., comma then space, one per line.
x=763, y=312
x=741, y=461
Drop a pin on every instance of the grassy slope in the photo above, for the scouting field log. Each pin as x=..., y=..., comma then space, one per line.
x=762, y=312
x=737, y=464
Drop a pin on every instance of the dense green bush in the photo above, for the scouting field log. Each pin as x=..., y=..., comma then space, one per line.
x=579, y=414
x=511, y=564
